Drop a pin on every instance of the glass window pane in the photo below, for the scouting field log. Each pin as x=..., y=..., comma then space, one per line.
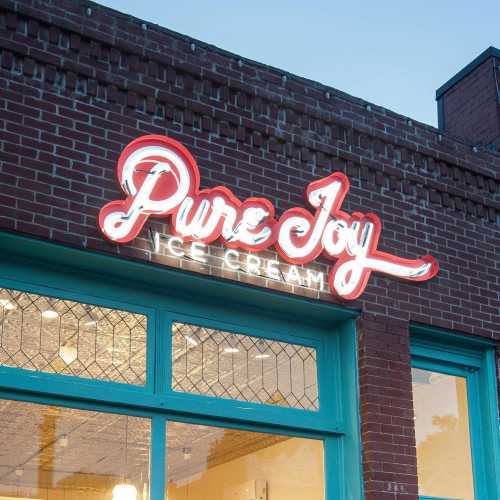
x=54, y=453
x=234, y=366
x=71, y=338
x=442, y=435
x=212, y=463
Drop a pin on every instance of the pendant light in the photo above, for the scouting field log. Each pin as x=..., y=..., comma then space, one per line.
x=125, y=491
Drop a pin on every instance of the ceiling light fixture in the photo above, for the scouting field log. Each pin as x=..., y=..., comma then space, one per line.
x=231, y=350
x=50, y=314
x=186, y=453
x=191, y=341
x=124, y=492
x=7, y=304
x=262, y=356
x=68, y=353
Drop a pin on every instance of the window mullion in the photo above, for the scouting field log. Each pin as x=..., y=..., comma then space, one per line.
x=158, y=480
x=163, y=358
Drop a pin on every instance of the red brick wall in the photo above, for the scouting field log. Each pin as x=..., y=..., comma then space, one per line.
x=76, y=89
x=471, y=108
x=387, y=409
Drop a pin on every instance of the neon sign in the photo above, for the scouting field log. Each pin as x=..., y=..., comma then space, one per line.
x=160, y=178
x=235, y=262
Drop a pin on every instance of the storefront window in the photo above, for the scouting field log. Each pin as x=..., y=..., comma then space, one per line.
x=442, y=435
x=71, y=338
x=234, y=366
x=49, y=452
x=205, y=463
x=226, y=412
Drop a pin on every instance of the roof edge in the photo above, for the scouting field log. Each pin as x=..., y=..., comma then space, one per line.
x=489, y=52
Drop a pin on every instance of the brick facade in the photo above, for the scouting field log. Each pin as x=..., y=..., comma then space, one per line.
x=79, y=81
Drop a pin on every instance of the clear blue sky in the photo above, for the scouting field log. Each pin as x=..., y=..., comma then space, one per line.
x=392, y=53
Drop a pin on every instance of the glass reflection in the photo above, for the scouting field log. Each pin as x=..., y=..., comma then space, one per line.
x=54, y=453
x=212, y=463
x=442, y=435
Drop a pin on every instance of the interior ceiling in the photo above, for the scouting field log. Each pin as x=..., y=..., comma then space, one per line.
x=61, y=446
x=68, y=448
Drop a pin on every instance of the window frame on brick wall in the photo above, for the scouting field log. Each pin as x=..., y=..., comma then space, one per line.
x=48, y=269
x=472, y=358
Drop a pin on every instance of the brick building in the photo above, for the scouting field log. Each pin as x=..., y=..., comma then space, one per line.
x=373, y=397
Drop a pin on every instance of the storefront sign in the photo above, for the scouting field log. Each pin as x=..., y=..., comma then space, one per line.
x=160, y=178
x=237, y=261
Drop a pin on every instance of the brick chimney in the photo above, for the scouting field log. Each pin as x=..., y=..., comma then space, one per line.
x=469, y=103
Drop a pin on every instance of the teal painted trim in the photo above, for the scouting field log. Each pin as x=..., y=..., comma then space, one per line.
x=120, y=396
x=343, y=458
x=455, y=364
x=151, y=351
x=335, y=486
x=473, y=359
x=329, y=373
x=488, y=411
x=81, y=404
x=249, y=426
x=164, y=353
x=258, y=327
x=245, y=412
x=20, y=379
x=64, y=401
x=446, y=337
x=482, y=488
x=351, y=413
x=158, y=481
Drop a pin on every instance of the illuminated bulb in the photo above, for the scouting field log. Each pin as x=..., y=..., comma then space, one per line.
x=91, y=322
x=68, y=353
x=262, y=356
x=19, y=472
x=124, y=492
x=50, y=314
x=7, y=304
x=231, y=350
x=64, y=441
x=191, y=341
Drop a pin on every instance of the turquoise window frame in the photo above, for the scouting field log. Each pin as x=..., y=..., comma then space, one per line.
x=95, y=278
x=473, y=358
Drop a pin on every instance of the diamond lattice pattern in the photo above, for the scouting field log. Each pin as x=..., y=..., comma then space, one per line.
x=71, y=338
x=234, y=366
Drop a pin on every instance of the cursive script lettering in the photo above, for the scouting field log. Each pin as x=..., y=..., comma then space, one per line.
x=160, y=178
